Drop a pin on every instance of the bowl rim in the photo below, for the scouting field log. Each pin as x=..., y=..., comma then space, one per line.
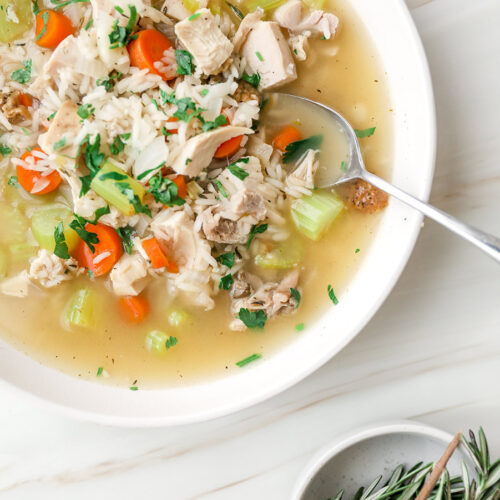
x=350, y=438
x=302, y=372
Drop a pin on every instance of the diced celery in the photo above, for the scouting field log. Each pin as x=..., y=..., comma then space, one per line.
x=13, y=225
x=107, y=188
x=159, y=341
x=191, y=5
x=193, y=190
x=4, y=263
x=21, y=252
x=266, y=5
x=314, y=4
x=9, y=29
x=313, y=215
x=178, y=317
x=80, y=309
x=44, y=222
x=287, y=255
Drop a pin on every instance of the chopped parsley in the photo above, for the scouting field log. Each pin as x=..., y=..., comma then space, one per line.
x=121, y=36
x=45, y=18
x=36, y=8
x=226, y=259
x=184, y=62
x=114, y=176
x=134, y=388
x=51, y=117
x=170, y=342
x=90, y=273
x=253, y=80
x=357, y=250
x=85, y=110
x=259, y=56
x=117, y=146
x=133, y=199
x=343, y=166
x=219, y=121
x=239, y=172
x=253, y=319
x=204, y=92
x=63, y=3
x=147, y=172
x=85, y=188
x=89, y=25
x=226, y=282
x=125, y=233
x=296, y=295
x=78, y=225
x=99, y=371
x=256, y=229
x=253, y=357
x=188, y=161
x=60, y=144
x=13, y=181
x=186, y=107
x=23, y=75
x=235, y=9
x=295, y=150
x=5, y=150
x=93, y=156
x=332, y=296
x=299, y=327
x=194, y=16
x=109, y=83
x=165, y=190
x=61, y=248
x=220, y=187
x=367, y=132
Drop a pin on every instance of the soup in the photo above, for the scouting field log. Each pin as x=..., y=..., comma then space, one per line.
x=168, y=314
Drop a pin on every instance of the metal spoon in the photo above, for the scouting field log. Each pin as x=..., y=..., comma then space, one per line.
x=355, y=169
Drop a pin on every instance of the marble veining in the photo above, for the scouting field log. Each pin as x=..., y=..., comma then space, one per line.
x=431, y=353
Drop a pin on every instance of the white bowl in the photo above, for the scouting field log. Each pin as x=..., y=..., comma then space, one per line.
x=400, y=49
x=357, y=458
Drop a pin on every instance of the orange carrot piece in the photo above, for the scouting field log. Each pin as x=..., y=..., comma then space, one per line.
x=228, y=148
x=52, y=28
x=109, y=243
x=29, y=178
x=155, y=253
x=147, y=49
x=180, y=182
x=134, y=308
x=288, y=135
x=25, y=100
x=172, y=119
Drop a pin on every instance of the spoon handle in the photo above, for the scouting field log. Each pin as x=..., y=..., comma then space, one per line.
x=486, y=242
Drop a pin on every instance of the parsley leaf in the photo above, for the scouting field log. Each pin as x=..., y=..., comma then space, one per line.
x=256, y=229
x=117, y=146
x=125, y=233
x=367, y=132
x=121, y=36
x=253, y=80
x=165, y=191
x=147, y=172
x=36, y=8
x=139, y=208
x=13, y=181
x=108, y=83
x=253, y=357
x=235, y=9
x=63, y=3
x=23, y=75
x=332, y=296
x=170, y=342
x=220, y=121
x=184, y=62
x=78, y=225
x=186, y=107
x=239, y=172
x=115, y=176
x=5, y=150
x=85, y=110
x=93, y=158
x=99, y=371
x=295, y=150
x=226, y=282
x=89, y=25
x=296, y=295
x=253, y=319
x=194, y=16
x=59, y=144
x=61, y=248
x=45, y=18
x=85, y=180
x=259, y=56
x=299, y=327
x=226, y=259
x=220, y=187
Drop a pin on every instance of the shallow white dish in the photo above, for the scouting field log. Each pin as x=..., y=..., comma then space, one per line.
x=355, y=459
x=401, y=53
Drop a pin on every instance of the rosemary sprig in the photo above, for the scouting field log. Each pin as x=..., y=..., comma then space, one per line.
x=481, y=484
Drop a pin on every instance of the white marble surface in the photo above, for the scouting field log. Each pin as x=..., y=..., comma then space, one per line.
x=431, y=353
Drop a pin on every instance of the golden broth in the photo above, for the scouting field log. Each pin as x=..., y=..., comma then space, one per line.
x=342, y=73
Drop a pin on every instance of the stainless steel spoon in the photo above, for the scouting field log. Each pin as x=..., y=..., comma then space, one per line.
x=355, y=169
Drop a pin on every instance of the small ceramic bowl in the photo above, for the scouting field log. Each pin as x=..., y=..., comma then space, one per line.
x=355, y=459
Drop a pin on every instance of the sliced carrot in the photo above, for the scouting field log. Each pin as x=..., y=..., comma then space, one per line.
x=172, y=119
x=32, y=179
x=25, y=100
x=288, y=135
x=134, y=308
x=52, y=28
x=147, y=49
x=109, y=243
x=180, y=182
x=157, y=256
x=229, y=147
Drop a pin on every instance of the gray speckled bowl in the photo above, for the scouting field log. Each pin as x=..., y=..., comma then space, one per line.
x=355, y=459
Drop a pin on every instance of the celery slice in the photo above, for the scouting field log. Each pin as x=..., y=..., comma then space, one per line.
x=159, y=341
x=106, y=187
x=313, y=215
x=178, y=317
x=80, y=309
x=4, y=263
x=10, y=30
x=266, y=5
x=287, y=255
x=44, y=222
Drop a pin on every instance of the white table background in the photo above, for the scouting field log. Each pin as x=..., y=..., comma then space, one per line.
x=432, y=352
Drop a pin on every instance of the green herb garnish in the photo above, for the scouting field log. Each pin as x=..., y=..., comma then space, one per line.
x=253, y=319
x=235, y=9
x=219, y=121
x=61, y=248
x=296, y=295
x=117, y=146
x=256, y=229
x=5, y=150
x=99, y=371
x=133, y=199
x=253, y=357
x=253, y=80
x=332, y=296
x=85, y=110
x=221, y=189
x=125, y=233
x=45, y=18
x=165, y=191
x=59, y=4
x=367, y=132
x=194, y=16
x=226, y=259
x=170, y=342
x=108, y=83
x=204, y=92
x=13, y=181
x=134, y=388
x=147, y=172
x=259, y=56
x=23, y=75
x=299, y=327
x=184, y=62
x=226, y=282
x=295, y=150
x=89, y=25
x=239, y=172
x=186, y=107
x=60, y=144
x=121, y=36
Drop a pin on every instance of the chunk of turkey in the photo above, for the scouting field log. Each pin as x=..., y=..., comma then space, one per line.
x=65, y=126
x=267, y=53
x=247, y=24
x=198, y=152
x=291, y=16
x=129, y=276
x=303, y=175
x=202, y=37
x=50, y=270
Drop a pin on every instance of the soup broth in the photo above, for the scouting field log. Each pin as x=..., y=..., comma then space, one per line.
x=343, y=73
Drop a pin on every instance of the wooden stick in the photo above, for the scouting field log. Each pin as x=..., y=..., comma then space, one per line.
x=438, y=469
